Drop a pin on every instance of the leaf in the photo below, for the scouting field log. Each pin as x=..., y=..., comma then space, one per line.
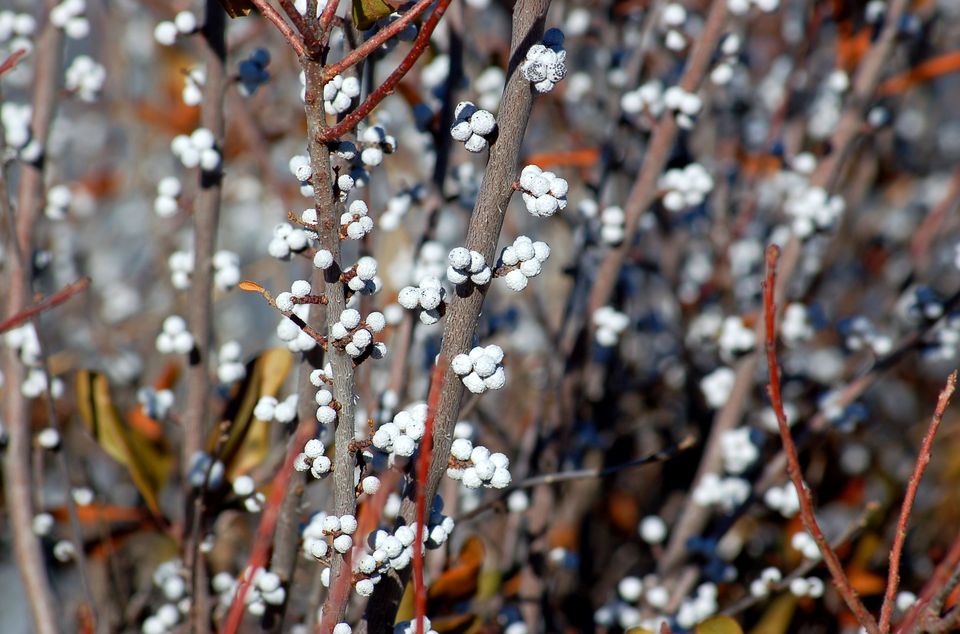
x=719, y=625
x=148, y=462
x=250, y=287
x=460, y=580
x=366, y=12
x=776, y=619
x=236, y=8
x=248, y=440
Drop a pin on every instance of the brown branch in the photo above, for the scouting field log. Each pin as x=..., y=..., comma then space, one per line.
x=295, y=41
x=369, y=46
x=840, y=579
x=268, y=521
x=932, y=596
x=385, y=89
x=923, y=459
x=299, y=21
x=206, y=217
x=47, y=303
x=463, y=312
x=328, y=216
x=325, y=23
x=18, y=488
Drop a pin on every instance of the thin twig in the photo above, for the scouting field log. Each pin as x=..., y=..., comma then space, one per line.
x=268, y=521
x=206, y=218
x=423, y=468
x=840, y=579
x=46, y=303
x=295, y=41
x=16, y=460
x=385, y=89
x=932, y=596
x=299, y=21
x=325, y=23
x=583, y=474
x=923, y=459
x=369, y=46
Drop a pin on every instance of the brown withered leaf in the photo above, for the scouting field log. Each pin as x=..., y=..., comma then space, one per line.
x=248, y=439
x=460, y=581
x=148, y=461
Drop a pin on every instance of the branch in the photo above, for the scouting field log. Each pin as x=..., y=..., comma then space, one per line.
x=268, y=521
x=463, y=312
x=299, y=21
x=644, y=190
x=840, y=579
x=325, y=22
x=18, y=488
x=423, y=468
x=206, y=217
x=56, y=299
x=933, y=594
x=923, y=459
x=583, y=474
x=328, y=224
x=360, y=53
x=390, y=83
x=295, y=41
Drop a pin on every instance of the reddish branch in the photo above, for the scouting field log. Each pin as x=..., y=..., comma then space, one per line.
x=299, y=21
x=840, y=579
x=268, y=521
x=326, y=19
x=285, y=29
x=389, y=85
x=56, y=299
x=893, y=575
x=364, y=50
x=931, y=598
x=423, y=468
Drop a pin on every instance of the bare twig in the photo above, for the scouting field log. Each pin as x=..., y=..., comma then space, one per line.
x=200, y=313
x=385, y=89
x=369, y=46
x=268, y=521
x=923, y=459
x=16, y=462
x=582, y=474
x=934, y=591
x=45, y=304
x=295, y=41
x=423, y=468
x=840, y=579
x=325, y=23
